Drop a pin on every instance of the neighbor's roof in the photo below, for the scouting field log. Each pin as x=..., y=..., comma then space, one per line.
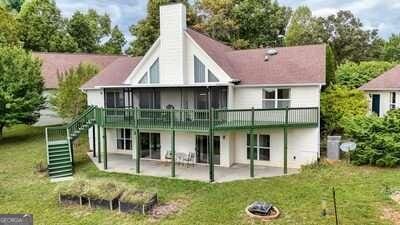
x=57, y=63
x=292, y=65
x=114, y=74
x=390, y=80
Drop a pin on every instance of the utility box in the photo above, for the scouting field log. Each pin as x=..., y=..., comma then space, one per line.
x=333, y=147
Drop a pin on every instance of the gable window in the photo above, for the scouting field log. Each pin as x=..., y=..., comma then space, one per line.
x=393, y=100
x=124, y=139
x=155, y=72
x=262, y=147
x=144, y=79
x=199, y=71
x=152, y=76
x=276, y=98
x=212, y=77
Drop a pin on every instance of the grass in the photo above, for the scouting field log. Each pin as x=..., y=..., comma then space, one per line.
x=134, y=196
x=361, y=191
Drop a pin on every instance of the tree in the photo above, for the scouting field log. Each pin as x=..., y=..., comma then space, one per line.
x=62, y=42
x=21, y=87
x=349, y=40
x=12, y=5
x=339, y=103
x=116, y=42
x=330, y=66
x=304, y=29
x=70, y=101
x=391, y=51
x=146, y=31
x=88, y=29
x=8, y=29
x=256, y=22
x=38, y=21
x=354, y=75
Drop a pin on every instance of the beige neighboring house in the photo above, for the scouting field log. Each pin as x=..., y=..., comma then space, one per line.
x=58, y=63
x=384, y=92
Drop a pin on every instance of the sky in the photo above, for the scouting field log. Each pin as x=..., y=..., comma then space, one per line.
x=383, y=15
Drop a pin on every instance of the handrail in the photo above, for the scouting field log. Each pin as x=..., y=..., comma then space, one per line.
x=90, y=109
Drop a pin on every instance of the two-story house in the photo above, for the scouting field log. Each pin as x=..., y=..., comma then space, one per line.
x=193, y=98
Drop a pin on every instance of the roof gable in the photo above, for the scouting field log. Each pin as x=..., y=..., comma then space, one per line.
x=390, y=80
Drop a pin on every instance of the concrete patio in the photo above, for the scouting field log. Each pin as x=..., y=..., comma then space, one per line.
x=125, y=164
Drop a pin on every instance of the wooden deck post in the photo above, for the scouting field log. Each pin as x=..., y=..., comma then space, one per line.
x=99, y=144
x=172, y=143
x=285, y=142
x=105, y=148
x=137, y=151
x=252, y=144
x=211, y=144
x=94, y=140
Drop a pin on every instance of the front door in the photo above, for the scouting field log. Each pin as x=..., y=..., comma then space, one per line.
x=202, y=149
x=150, y=147
x=376, y=102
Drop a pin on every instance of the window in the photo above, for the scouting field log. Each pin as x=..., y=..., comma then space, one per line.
x=144, y=79
x=115, y=99
x=276, y=98
x=262, y=147
x=155, y=72
x=212, y=77
x=393, y=100
x=124, y=139
x=149, y=99
x=199, y=71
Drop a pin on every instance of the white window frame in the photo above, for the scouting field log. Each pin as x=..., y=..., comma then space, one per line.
x=393, y=103
x=146, y=78
x=207, y=72
x=257, y=147
x=276, y=99
x=123, y=139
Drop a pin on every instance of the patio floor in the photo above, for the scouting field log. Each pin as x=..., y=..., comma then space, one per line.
x=125, y=164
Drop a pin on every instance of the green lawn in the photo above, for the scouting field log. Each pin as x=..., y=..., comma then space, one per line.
x=361, y=191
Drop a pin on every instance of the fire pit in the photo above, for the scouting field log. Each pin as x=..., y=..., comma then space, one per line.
x=262, y=210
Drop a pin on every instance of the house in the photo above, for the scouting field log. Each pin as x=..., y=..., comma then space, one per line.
x=383, y=92
x=55, y=64
x=190, y=98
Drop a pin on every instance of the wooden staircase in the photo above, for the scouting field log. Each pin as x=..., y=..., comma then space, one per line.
x=59, y=142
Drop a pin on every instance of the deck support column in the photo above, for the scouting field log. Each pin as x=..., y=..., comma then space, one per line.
x=105, y=148
x=252, y=144
x=138, y=151
x=172, y=143
x=99, y=144
x=285, y=142
x=94, y=140
x=211, y=145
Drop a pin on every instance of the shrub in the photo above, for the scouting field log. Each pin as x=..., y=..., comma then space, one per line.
x=339, y=103
x=378, y=139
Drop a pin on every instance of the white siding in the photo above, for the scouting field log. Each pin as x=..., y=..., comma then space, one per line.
x=303, y=147
x=95, y=97
x=385, y=100
x=304, y=96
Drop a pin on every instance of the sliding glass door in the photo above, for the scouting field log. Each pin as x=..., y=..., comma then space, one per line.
x=202, y=149
x=150, y=147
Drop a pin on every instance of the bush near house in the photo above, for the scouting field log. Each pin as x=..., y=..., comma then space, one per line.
x=378, y=139
x=70, y=101
x=339, y=102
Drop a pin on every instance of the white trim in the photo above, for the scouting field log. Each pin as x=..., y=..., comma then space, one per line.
x=167, y=85
x=142, y=61
x=279, y=85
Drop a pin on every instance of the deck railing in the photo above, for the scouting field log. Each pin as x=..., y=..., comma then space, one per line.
x=54, y=134
x=199, y=120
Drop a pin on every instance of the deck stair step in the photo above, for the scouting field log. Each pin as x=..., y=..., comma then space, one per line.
x=59, y=159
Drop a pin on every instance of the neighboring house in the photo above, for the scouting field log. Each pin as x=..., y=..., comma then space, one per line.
x=384, y=92
x=191, y=97
x=54, y=64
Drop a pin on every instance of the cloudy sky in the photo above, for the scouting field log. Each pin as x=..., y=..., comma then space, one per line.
x=380, y=14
